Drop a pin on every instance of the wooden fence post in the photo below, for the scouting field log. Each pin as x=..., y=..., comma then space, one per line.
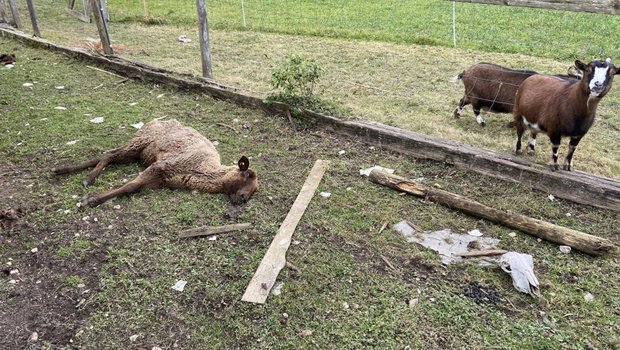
x=101, y=27
x=33, y=18
x=15, y=12
x=4, y=18
x=203, y=31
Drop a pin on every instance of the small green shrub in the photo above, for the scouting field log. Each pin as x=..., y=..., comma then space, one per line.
x=296, y=76
x=295, y=80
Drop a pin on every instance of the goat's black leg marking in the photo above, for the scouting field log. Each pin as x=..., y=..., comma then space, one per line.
x=555, y=145
x=568, y=162
x=531, y=143
x=520, y=130
x=479, y=118
x=457, y=112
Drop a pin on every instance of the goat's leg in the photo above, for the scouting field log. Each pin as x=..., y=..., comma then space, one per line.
x=520, y=126
x=568, y=161
x=555, y=145
x=531, y=142
x=152, y=177
x=476, y=106
x=457, y=111
x=122, y=155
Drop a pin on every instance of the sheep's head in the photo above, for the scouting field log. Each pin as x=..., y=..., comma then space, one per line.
x=242, y=183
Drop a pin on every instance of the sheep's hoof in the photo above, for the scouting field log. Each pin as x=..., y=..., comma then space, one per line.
x=531, y=152
x=87, y=182
x=88, y=201
x=483, y=124
x=457, y=115
x=566, y=167
x=554, y=166
x=518, y=151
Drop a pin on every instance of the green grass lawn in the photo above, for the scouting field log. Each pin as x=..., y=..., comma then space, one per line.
x=101, y=276
x=554, y=34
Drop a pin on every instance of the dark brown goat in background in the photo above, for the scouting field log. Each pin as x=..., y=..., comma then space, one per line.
x=562, y=107
x=490, y=87
x=177, y=157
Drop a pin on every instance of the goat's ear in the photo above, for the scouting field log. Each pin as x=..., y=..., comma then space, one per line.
x=580, y=65
x=244, y=163
x=618, y=70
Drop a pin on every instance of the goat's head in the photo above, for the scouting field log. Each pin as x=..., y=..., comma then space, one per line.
x=598, y=76
x=242, y=183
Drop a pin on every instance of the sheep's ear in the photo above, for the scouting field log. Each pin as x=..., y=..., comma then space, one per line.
x=580, y=65
x=244, y=163
x=618, y=70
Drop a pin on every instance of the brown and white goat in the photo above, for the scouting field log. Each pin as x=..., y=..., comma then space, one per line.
x=177, y=157
x=562, y=107
x=490, y=87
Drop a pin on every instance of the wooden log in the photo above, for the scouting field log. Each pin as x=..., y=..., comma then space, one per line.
x=33, y=18
x=598, y=6
x=210, y=230
x=275, y=258
x=102, y=27
x=577, y=186
x=203, y=33
x=4, y=18
x=15, y=12
x=578, y=240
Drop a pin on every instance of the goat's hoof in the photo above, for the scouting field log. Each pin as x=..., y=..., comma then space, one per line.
x=457, y=115
x=518, y=151
x=554, y=167
x=483, y=124
x=566, y=167
x=87, y=182
x=531, y=152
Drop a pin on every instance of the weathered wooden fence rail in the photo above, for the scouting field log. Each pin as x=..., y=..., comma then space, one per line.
x=600, y=6
x=576, y=186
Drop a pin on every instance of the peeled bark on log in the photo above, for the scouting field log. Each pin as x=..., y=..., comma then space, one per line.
x=578, y=240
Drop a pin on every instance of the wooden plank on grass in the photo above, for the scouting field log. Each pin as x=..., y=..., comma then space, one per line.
x=275, y=258
x=210, y=230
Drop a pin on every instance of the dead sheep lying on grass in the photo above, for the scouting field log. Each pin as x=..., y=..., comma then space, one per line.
x=176, y=157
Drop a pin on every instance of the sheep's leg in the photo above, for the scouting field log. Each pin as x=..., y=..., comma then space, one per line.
x=568, y=162
x=152, y=177
x=71, y=168
x=464, y=101
x=119, y=156
x=520, y=130
x=531, y=142
x=555, y=145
